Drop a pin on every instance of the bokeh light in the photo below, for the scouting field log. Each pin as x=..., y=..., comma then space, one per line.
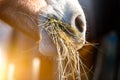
x=36, y=67
x=2, y=64
x=11, y=70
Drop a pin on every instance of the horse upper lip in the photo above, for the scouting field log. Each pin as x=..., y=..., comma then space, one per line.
x=73, y=34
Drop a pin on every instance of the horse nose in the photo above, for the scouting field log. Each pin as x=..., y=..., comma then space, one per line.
x=80, y=24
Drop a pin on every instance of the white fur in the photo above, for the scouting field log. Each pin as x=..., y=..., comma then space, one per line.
x=66, y=10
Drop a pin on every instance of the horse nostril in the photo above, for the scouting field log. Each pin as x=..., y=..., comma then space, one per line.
x=79, y=23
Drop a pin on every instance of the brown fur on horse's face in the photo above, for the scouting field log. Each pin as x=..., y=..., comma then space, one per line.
x=24, y=15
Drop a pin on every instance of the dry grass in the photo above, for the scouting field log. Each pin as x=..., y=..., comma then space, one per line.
x=69, y=61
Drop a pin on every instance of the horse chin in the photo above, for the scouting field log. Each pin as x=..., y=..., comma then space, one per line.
x=46, y=45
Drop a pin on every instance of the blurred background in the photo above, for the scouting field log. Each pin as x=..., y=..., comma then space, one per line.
x=103, y=28
x=21, y=60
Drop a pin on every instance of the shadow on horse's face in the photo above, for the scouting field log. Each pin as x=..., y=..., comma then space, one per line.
x=18, y=14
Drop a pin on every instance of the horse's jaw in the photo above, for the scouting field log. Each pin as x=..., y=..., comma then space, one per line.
x=46, y=45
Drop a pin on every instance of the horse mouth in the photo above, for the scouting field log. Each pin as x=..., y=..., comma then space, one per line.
x=55, y=27
x=75, y=37
x=53, y=31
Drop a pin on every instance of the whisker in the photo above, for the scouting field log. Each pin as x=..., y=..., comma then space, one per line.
x=91, y=44
x=44, y=16
x=60, y=14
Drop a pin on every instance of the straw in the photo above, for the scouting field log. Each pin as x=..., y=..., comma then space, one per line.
x=69, y=61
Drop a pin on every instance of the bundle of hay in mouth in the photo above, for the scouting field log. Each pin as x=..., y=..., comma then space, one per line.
x=63, y=35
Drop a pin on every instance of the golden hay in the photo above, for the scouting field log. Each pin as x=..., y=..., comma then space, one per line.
x=69, y=61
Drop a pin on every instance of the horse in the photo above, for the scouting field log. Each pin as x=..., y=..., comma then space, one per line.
x=17, y=14
x=25, y=16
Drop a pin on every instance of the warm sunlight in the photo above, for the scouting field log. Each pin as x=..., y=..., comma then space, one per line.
x=11, y=70
x=36, y=67
x=2, y=64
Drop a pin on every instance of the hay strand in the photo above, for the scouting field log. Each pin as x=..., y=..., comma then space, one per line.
x=69, y=62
